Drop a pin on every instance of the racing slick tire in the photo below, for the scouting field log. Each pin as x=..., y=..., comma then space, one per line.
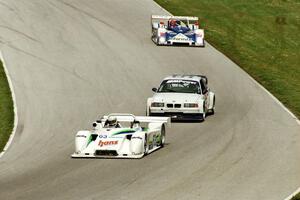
x=148, y=113
x=163, y=136
x=212, y=111
x=203, y=114
x=157, y=42
x=203, y=43
x=146, y=147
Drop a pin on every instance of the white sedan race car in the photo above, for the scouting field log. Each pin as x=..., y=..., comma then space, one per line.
x=177, y=30
x=121, y=136
x=182, y=97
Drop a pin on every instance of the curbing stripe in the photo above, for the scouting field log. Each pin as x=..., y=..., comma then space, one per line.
x=271, y=95
x=14, y=104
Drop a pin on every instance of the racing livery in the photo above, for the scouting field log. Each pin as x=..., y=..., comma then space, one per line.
x=177, y=30
x=121, y=136
x=182, y=97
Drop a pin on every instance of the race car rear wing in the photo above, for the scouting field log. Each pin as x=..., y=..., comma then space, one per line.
x=125, y=117
x=173, y=17
x=163, y=21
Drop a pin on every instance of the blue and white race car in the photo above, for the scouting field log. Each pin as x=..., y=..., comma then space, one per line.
x=177, y=30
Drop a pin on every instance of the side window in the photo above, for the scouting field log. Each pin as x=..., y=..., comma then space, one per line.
x=203, y=86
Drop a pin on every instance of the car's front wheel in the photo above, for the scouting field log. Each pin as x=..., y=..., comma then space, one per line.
x=162, y=136
x=148, y=113
x=204, y=114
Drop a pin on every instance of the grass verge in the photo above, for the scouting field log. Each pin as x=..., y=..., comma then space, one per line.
x=297, y=197
x=6, y=109
x=260, y=36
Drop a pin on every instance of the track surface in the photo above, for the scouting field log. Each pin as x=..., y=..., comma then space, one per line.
x=71, y=61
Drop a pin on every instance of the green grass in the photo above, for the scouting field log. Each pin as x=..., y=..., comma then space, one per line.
x=297, y=197
x=6, y=109
x=261, y=36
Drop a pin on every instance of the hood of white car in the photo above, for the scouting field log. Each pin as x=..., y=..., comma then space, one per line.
x=176, y=97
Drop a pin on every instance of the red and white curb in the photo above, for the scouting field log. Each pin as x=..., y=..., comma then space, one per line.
x=14, y=104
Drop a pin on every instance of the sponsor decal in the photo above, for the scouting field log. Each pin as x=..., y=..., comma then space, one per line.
x=181, y=37
x=182, y=81
x=81, y=136
x=125, y=131
x=102, y=136
x=136, y=137
x=107, y=143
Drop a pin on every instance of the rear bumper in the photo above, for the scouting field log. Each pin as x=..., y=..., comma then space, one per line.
x=76, y=155
x=178, y=116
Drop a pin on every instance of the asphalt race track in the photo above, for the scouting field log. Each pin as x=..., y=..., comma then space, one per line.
x=74, y=60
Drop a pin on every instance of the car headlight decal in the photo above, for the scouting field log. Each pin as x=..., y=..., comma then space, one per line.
x=157, y=104
x=191, y=105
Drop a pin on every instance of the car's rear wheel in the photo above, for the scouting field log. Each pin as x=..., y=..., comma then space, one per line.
x=203, y=43
x=212, y=111
x=162, y=136
x=146, y=147
x=157, y=41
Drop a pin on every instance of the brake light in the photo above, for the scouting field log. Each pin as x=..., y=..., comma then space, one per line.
x=161, y=24
x=162, y=34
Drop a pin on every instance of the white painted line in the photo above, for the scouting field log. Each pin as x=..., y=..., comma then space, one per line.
x=272, y=96
x=275, y=99
x=15, y=106
x=293, y=194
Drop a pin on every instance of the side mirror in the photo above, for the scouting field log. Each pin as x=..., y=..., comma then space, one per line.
x=154, y=89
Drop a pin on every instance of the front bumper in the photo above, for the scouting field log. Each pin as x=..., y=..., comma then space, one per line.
x=179, y=43
x=180, y=116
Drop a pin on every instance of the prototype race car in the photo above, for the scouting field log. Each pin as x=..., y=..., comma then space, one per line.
x=121, y=136
x=177, y=30
x=182, y=97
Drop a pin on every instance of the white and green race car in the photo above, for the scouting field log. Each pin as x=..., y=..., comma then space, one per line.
x=121, y=136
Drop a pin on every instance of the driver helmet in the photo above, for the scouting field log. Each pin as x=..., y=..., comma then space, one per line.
x=173, y=22
x=112, y=121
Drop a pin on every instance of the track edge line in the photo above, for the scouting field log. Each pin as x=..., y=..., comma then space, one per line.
x=255, y=81
x=11, y=137
x=293, y=194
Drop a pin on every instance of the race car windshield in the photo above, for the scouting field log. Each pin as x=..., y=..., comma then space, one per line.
x=182, y=23
x=179, y=86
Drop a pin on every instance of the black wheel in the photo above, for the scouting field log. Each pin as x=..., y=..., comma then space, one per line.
x=148, y=113
x=204, y=113
x=203, y=44
x=146, y=147
x=163, y=136
x=212, y=111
